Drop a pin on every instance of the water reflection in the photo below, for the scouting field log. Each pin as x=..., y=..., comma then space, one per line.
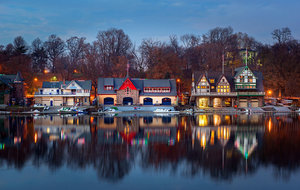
x=221, y=146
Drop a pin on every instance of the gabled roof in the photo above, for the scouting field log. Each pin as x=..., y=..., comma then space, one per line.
x=47, y=84
x=218, y=75
x=241, y=69
x=86, y=85
x=139, y=84
x=157, y=83
x=10, y=79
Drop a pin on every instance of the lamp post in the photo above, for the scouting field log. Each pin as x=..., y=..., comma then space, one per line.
x=178, y=81
x=269, y=93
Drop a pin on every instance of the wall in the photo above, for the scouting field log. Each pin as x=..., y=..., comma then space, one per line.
x=101, y=98
x=134, y=94
x=158, y=99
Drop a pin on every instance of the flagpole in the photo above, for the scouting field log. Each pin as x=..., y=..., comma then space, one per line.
x=223, y=63
x=246, y=56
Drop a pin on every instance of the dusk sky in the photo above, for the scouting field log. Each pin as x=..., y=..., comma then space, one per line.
x=141, y=19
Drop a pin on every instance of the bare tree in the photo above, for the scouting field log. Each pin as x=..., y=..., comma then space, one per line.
x=113, y=44
x=282, y=35
x=55, y=48
x=75, y=46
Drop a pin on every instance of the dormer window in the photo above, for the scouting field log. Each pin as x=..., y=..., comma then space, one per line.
x=108, y=87
x=212, y=81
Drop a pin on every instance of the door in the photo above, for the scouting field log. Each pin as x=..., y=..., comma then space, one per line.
x=166, y=101
x=254, y=103
x=127, y=101
x=70, y=101
x=108, y=101
x=217, y=102
x=148, y=101
x=243, y=103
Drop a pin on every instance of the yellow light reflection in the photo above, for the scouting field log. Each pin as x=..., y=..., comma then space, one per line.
x=203, y=141
x=212, y=138
x=270, y=125
x=35, y=137
x=217, y=120
x=178, y=136
x=202, y=120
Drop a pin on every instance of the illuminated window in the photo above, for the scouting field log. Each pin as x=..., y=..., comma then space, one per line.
x=198, y=86
x=212, y=80
x=227, y=90
x=218, y=90
x=222, y=90
x=212, y=87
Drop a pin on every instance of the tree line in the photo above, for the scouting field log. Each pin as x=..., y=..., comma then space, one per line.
x=179, y=57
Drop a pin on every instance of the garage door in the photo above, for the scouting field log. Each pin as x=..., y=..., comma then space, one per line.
x=243, y=103
x=58, y=102
x=148, y=101
x=217, y=102
x=108, y=101
x=166, y=101
x=254, y=103
x=70, y=101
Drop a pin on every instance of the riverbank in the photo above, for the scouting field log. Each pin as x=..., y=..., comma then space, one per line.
x=93, y=110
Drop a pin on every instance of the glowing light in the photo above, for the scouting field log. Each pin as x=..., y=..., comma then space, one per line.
x=178, y=136
x=269, y=92
x=217, y=120
x=270, y=125
x=46, y=71
x=91, y=119
x=178, y=80
x=35, y=79
x=48, y=130
x=35, y=137
x=212, y=138
x=203, y=141
x=202, y=120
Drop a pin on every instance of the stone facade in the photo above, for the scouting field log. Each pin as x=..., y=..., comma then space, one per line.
x=134, y=94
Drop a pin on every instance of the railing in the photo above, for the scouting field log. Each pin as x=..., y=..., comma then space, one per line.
x=251, y=93
x=228, y=93
x=55, y=94
x=214, y=93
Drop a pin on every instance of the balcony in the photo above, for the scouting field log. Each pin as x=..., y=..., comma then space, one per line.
x=55, y=94
x=251, y=93
x=214, y=94
x=228, y=94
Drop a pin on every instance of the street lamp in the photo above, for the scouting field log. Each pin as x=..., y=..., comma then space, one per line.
x=269, y=92
x=35, y=79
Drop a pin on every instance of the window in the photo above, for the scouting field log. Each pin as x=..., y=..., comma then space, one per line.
x=212, y=87
x=85, y=100
x=212, y=80
x=108, y=87
x=41, y=91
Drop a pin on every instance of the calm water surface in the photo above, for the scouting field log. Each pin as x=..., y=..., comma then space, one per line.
x=150, y=152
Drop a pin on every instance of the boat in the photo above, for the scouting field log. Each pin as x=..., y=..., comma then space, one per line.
x=164, y=110
x=66, y=110
x=187, y=111
x=108, y=110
